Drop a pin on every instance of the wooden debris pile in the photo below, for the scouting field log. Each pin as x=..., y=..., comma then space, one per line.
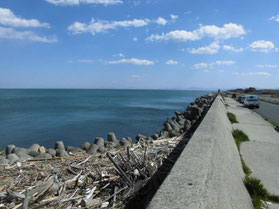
x=106, y=180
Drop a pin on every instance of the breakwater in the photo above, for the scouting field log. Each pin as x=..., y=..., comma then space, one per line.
x=175, y=126
x=44, y=116
x=208, y=173
x=118, y=175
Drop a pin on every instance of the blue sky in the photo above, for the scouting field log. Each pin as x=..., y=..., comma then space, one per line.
x=145, y=44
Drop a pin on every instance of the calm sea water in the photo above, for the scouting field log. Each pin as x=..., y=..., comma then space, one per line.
x=75, y=116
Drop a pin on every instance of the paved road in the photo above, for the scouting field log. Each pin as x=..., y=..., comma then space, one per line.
x=270, y=111
x=261, y=153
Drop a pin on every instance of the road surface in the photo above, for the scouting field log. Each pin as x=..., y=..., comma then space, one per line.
x=261, y=153
x=269, y=111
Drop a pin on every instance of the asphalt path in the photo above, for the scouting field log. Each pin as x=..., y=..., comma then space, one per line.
x=269, y=111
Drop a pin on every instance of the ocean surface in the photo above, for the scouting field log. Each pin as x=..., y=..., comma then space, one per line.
x=75, y=116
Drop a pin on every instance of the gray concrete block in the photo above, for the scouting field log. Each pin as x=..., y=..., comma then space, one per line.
x=59, y=145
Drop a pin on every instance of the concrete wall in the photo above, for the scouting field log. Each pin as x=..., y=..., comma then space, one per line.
x=208, y=173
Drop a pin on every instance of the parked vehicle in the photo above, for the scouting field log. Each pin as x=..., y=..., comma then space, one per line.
x=251, y=101
x=240, y=99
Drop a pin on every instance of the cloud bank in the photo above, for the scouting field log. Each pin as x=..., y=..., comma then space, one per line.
x=230, y=30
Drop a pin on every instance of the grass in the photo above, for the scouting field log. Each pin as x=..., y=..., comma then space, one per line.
x=239, y=137
x=232, y=117
x=257, y=203
x=269, y=101
x=254, y=186
x=245, y=168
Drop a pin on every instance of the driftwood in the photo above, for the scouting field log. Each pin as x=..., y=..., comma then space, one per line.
x=90, y=181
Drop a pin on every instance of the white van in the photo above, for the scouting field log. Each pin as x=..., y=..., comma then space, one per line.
x=251, y=101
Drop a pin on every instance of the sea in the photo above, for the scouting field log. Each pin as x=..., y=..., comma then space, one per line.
x=44, y=116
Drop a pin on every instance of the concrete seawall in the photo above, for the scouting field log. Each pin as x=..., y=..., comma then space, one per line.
x=208, y=173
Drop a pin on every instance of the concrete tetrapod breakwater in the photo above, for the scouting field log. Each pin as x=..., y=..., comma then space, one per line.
x=208, y=173
x=92, y=178
x=181, y=123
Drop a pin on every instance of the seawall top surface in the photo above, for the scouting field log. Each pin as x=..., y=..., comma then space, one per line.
x=208, y=173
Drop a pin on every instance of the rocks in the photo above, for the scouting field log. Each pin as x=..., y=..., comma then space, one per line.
x=19, y=149
x=42, y=149
x=4, y=161
x=9, y=149
x=155, y=136
x=33, y=153
x=93, y=149
x=85, y=146
x=60, y=149
x=124, y=142
x=112, y=138
x=12, y=158
x=101, y=149
x=52, y=152
x=130, y=140
x=44, y=156
x=59, y=145
x=23, y=156
x=74, y=149
x=101, y=144
x=34, y=147
x=140, y=136
x=61, y=153
x=99, y=141
x=177, y=125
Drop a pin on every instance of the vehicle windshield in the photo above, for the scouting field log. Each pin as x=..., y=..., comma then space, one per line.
x=252, y=98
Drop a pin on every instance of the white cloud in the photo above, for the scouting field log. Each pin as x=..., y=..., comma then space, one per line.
x=201, y=65
x=99, y=26
x=275, y=18
x=176, y=35
x=85, y=61
x=262, y=46
x=135, y=39
x=134, y=61
x=231, y=48
x=252, y=73
x=211, y=65
x=220, y=71
x=267, y=66
x=10, y=33
x=210, y=49
x=136, y=76
x=161, y=21
x=118, y=55
x=173, y=17
x=221, y=62
x=8, y=18
x=227, y=31
x=171, y=62
x=78, y=2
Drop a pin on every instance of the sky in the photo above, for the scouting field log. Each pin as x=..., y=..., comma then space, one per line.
x=139, y=44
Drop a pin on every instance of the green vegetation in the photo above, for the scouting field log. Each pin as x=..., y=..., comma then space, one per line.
x=245, y=168
x=269, y=101
x=253, y=185
x=232, y=117
x=257, y=203
x=255, y=188
x=239, y=137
